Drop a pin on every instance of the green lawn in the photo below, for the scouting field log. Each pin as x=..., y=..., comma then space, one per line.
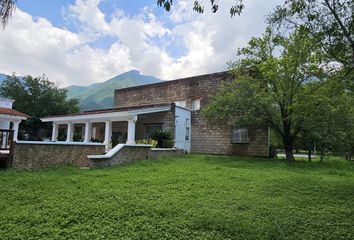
x=193, y=197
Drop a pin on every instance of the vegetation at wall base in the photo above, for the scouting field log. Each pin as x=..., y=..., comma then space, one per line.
x=163, y=138
x=191, y=197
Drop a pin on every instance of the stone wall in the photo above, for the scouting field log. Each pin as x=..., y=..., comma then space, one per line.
x=44, y=155
x=125, y=155
x=156, y=153
x=204, y=137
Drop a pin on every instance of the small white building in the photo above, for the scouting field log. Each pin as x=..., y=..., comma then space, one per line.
x=10, y=118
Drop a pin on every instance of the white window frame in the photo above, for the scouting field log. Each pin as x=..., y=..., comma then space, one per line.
x=240, y=135
x=181, y=103
x=196, y=104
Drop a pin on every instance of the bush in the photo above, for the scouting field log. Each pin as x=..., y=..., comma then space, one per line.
x=148, y=141
x=163, y=138
x=77, y=137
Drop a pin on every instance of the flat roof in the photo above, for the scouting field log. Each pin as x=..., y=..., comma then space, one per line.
x=217, y=74
x=117, y=114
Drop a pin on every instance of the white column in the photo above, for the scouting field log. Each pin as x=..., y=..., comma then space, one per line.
x=88, y=127
x=108, y=135
x=131, y=130
x=55, y=132
x=70, y=132
x=15, y=128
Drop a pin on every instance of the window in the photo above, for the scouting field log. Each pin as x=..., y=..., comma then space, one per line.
x=151, y=128
x=240, y=135
x=187, y=133
x=195, y=104
x=181, y=103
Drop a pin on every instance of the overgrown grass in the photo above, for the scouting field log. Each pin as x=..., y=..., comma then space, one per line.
x=194, y=197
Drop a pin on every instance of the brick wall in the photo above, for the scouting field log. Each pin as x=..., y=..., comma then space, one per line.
x=35, y=156
x=204, y=138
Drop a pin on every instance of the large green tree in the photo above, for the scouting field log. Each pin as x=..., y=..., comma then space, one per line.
x=328, y=125
x=330, y=22
x=37, y=97
x=277, y=83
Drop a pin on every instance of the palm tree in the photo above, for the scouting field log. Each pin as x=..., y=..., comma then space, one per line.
x=6, y=9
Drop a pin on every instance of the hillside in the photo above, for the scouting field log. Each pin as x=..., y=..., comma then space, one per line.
x=100, y=95
x=2, y=77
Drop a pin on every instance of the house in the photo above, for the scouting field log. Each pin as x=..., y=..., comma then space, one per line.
x=9, y=118
x=9, y=124
x=171, y=105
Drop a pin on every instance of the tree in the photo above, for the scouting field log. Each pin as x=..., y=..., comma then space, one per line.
x=6, y=9
x=330, y=22
x=236, y=8
x=328, y=118
x=8, y=6
x=270, y=86
x=37, y=97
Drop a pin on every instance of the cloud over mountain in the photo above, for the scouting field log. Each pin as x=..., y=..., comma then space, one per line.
x=169, y=45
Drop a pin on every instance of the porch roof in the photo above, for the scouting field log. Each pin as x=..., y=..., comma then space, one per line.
x=8, y=113
x=111, y=114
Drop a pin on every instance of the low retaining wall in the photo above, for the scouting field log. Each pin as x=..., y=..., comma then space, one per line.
x=125, y=154
x=156, y=153
x=35, y=155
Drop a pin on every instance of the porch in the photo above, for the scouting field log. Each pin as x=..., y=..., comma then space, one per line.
x=112, y=126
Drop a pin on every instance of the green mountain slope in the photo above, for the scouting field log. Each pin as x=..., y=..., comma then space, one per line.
x=2, y=77
x=100, y=95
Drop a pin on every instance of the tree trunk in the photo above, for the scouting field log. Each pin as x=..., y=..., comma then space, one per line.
x=309, y=153
x=289, y=155
x=288, y=142
x=288, y=147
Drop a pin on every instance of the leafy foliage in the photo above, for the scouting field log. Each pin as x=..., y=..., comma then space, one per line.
x=236, y=8
x=281, y=83
x=331, y=24
x=6, y=9
x=163, y=138
x=148, y=141
x=37, y=97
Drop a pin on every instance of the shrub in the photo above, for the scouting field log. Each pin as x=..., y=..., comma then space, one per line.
x=77, y=137
x=162, y=137
x=147, y=141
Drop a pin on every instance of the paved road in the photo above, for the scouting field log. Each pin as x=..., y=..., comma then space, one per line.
x=297, y=155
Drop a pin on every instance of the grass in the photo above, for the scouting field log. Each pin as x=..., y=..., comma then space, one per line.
x=193, y=197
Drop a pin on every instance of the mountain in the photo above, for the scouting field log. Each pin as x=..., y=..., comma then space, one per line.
x=2, y=77
x=100, y=95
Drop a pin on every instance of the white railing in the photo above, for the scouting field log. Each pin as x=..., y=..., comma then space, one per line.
x=115, y=150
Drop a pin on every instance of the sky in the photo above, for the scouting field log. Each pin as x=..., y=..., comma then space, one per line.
x=80, y=42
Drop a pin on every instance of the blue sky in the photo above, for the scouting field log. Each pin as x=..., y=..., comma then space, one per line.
x=85, y=41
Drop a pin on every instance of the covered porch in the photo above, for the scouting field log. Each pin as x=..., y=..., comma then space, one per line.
x=110, y=126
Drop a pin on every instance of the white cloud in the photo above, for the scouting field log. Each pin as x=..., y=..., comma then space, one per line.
x=192, y=44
